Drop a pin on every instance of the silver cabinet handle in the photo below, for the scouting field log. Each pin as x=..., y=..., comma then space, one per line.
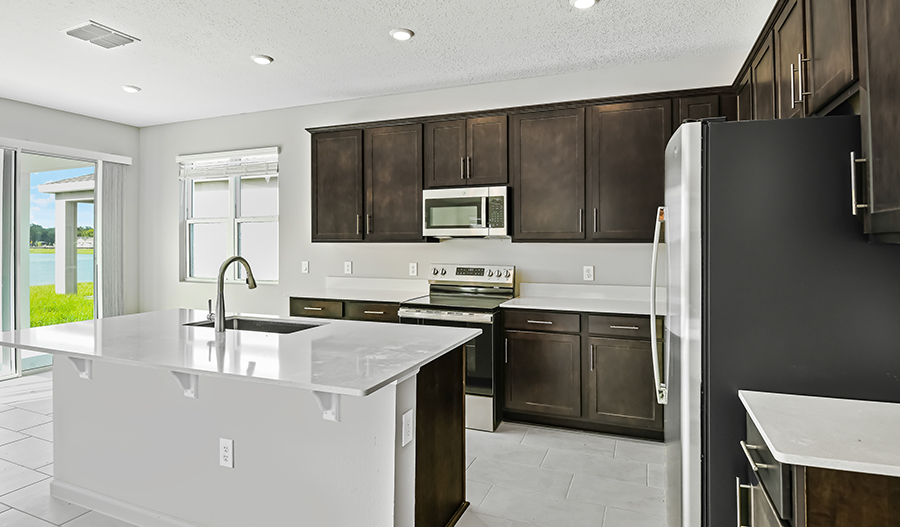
x=625, y=327
x=596, y=218
x=753, y=464
x=468, y=167
x=312, y=308
x=800, y=61
x=368, y=223
x=592, y=357
x=373, y=312
x=357, y=224
x=505, y=351
x=853, y=162
x=741, y=501
x=580, y=220
x=540, y=322
x=462, y=168
x=793, y=100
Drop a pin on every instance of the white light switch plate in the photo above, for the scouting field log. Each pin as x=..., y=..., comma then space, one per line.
x=304, y=267
x=348, y=267
x=226, y=452
x=408, y=428
x=589, y=273
x=413, y=269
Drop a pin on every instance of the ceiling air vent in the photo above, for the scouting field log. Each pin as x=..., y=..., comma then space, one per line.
x=105, y=37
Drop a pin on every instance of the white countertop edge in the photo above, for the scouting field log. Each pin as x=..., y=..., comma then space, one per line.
x=589, y=305
x=813, y=461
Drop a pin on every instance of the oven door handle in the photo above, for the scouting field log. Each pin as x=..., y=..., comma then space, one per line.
x=421, y=314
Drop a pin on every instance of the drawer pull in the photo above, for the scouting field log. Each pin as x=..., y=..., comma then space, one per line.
x=312, y=308
x=373, y=312
x=625, y=327
x=540, y=322
x=753, y=464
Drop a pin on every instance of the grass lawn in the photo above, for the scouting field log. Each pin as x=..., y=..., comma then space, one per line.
x=37, y=250
x=48, y=308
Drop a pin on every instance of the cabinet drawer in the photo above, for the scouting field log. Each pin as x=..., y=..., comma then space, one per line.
x=774, y=475
x=374, y=311
x=637, y=327
x=305, y=307
x=542, y=321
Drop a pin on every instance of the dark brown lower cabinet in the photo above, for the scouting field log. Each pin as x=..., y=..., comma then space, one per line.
x=543, y=373
x=346, y=309
x=620, y=387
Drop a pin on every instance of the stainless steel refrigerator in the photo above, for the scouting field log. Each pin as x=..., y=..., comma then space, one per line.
x=772, y=286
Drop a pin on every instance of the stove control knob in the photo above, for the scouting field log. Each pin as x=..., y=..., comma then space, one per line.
x=434, y=270
x=507, y=273
x=490, y=273
x=443, y=271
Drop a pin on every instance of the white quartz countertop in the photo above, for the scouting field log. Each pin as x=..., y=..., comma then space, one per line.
x=338, y=356
x=626, y=300
x=839, y=434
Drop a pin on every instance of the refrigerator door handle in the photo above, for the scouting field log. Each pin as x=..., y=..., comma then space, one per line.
x=662, y=394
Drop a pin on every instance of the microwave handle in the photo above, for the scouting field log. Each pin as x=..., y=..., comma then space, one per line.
x=485, y=216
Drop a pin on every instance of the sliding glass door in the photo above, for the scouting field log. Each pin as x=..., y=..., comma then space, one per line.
x=9, y=364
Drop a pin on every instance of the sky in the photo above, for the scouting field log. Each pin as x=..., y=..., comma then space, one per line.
x=43, y=209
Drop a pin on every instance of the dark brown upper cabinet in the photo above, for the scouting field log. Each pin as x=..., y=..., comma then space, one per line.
x=547, y=164
x=466, y=152
x=879, y=72
x=393, y=183
x=337, y=186
x=790, y=56
x=697, y=108
x=745, y=98
x=762, y=71
x=627, y=167
x=831, y=44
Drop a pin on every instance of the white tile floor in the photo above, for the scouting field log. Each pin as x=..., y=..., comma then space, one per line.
x=519, y=476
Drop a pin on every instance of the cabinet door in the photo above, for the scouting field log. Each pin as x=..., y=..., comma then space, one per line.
x=393, y=171
x=763, y=74
x=627, y=168
x=445, y=152
x=621, y=388
x=337, y=186
x=697, y=108
x=486, y=147
x=547, y=157
x=543, y=373
x=745, y=98
x=788, y=51
x=830, y=42
x=879, y=41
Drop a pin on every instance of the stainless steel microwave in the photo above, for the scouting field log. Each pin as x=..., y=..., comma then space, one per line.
x=465, y=211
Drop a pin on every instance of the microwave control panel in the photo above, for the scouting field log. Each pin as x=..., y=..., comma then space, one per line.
x=496, y=217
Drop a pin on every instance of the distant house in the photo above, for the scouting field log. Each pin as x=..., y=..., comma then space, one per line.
x=85, y=243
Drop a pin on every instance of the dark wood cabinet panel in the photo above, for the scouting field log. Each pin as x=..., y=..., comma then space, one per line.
x=337, y=183
x=745, y=98
x=553, y=321
x=789, y=48
x=543, y=373
x=445, y=153
x=393, y=183
x=763, y=77
x=831, y=47
x=311, y=307
x=697, y=108
x=373, y=311
x=486, y=148
x=547, y=164
x=621, y=386
x=626, y=171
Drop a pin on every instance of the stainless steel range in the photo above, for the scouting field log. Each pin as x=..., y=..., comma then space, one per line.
x=470, y=296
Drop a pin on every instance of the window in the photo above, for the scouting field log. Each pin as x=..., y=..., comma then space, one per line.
x=230, y=207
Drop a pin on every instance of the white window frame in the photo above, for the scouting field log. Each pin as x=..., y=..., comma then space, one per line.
x=224, y=166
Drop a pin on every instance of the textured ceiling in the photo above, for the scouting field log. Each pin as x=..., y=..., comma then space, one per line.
x=193, y=58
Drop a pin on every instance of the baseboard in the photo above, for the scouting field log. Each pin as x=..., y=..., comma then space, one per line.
x=121, y=510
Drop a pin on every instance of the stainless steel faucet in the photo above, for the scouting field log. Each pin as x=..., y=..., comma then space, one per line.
x=220, y=284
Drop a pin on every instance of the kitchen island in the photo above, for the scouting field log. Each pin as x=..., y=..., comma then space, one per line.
x=150, y=412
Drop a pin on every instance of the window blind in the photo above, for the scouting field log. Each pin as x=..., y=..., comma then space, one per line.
x=255, y=162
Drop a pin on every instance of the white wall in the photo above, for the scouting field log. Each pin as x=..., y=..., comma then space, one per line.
x=37, y=124
x=620, y=264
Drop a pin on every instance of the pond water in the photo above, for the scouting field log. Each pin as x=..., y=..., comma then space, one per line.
x=42, y=268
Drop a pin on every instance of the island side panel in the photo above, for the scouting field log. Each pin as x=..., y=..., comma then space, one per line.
x=440, y=440
x=130, y=435
x=405, y=466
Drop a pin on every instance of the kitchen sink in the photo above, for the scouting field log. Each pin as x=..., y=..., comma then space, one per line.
x=257, y=324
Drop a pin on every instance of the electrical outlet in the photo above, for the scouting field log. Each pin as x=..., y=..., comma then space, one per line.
x=413, y=269
x=304, y=267
x=226, y=452
x=589, y=273
x=408, y=428
x=348, y=267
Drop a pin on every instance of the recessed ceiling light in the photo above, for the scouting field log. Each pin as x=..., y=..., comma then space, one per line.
x=262, y=59
x=402, y=33
x=131, y=89
x=583, y=4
